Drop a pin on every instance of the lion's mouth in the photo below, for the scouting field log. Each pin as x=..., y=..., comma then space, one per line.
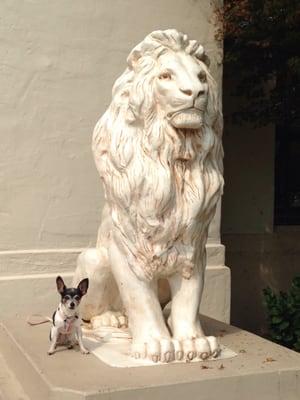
x=190, y=118
x=190, y=110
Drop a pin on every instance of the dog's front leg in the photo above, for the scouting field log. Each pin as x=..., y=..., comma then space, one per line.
x=79, y=338
x=53, y=337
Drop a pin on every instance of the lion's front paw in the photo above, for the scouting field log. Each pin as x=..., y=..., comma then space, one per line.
x=201, y=347
x=154, y=349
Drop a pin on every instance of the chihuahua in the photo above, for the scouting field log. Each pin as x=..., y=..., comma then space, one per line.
x=66, y=328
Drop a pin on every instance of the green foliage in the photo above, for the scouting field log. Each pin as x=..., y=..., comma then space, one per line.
x=284, y=315
x=261, y=56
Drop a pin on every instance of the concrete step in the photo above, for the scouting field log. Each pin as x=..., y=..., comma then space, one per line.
x=261, y=371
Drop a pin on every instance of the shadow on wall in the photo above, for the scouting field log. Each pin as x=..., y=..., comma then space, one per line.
x=258, y=261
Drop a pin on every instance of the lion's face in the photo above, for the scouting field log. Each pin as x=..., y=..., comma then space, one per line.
x=181, y=90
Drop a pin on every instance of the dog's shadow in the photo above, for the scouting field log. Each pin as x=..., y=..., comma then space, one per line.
x=62, y=347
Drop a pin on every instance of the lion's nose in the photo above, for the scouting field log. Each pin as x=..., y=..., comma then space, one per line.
x=195, y=93
x=188, y=92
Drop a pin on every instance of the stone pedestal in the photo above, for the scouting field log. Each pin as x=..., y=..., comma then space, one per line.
x=262, y=370
x=218, y=280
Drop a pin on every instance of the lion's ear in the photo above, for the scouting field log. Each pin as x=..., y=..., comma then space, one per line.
x=197, y=50
x=134, y=56
x=194, y=48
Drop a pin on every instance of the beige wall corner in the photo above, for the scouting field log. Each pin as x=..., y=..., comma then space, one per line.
x=60, y=62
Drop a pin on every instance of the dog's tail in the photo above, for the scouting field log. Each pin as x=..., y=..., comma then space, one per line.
x=38, y=319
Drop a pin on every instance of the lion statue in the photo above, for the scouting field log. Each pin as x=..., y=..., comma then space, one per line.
x=158, y=151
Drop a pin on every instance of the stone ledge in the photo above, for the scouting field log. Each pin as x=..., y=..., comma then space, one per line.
x=38, y=261
x=262, y=370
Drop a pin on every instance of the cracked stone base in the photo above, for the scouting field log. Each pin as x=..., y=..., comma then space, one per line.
x=262, y=370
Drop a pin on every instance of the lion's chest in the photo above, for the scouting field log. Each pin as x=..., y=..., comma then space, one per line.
x=196, y=189
x=174, y=231
x=180, y=203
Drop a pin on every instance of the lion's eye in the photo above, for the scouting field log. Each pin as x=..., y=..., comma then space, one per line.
x=165, y=76
x=202, y=77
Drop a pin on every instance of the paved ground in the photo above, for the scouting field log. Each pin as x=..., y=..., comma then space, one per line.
x=10, y=388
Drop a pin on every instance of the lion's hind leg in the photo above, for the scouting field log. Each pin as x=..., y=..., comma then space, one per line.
x=115, y=319
x=103, y=294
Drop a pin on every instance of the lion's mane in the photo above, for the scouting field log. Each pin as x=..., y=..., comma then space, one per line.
x=161, y=184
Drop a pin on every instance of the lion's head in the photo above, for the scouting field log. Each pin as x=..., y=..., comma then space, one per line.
x=164, y=108
x=168, y=73
x=166, y=84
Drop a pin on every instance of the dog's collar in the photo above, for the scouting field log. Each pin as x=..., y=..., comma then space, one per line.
x=66, y=317
x=68, y=322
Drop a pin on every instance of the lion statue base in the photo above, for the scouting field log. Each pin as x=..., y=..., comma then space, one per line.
x=158, y=151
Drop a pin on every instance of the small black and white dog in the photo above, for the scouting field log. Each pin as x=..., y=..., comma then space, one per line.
x=66, y=328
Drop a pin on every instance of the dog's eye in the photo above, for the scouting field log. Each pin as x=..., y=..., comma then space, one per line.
x=67, y=297
x=77, y=298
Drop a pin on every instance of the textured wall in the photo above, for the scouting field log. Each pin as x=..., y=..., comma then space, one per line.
x=258, y=261
x=258, y=253
x=59, y=59
x=248, y=199
x=248, y=202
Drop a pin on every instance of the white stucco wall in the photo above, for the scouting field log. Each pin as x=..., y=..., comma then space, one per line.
x=58, y=60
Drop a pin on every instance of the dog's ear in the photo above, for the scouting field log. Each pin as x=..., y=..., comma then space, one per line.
x=60, y=284
x=83, y=286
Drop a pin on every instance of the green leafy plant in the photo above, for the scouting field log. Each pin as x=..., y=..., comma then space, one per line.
x=284, y=315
